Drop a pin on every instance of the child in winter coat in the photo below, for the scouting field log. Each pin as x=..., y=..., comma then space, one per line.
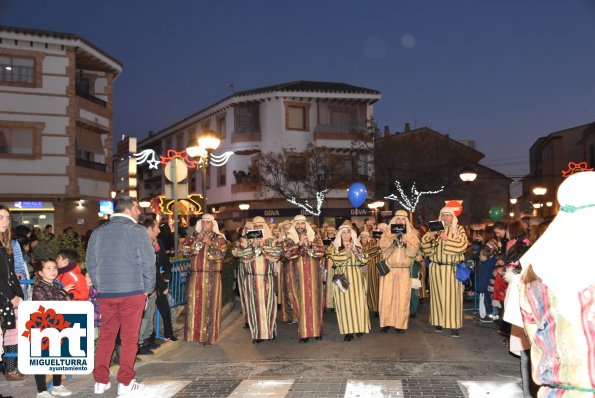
x=487, y=262
x=48, y=289
x=69, y=273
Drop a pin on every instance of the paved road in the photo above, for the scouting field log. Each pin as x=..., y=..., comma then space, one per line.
x=417, y=363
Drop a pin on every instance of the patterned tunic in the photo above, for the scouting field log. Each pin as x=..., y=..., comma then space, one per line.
x=203, y=304
x=306, y=290
x=352, y=312
x=446, y=292
x=374, y=256
x=259, y=289
x=562, y=353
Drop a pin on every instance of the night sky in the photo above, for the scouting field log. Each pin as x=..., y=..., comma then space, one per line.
x=502, y=73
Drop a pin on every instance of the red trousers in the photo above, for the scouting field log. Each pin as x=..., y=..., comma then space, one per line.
x=123, y=314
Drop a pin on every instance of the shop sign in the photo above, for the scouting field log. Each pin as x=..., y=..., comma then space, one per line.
x=28, y=205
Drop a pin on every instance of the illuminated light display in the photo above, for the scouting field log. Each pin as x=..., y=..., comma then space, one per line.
x=574, y=168
x=410, y=203
x=307, y=207
x=166, y=205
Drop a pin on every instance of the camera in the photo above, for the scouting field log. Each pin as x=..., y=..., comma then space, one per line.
x=398, y=228
x=254, y=234
x=436, y=226
x=376, y=234
x=326, y=242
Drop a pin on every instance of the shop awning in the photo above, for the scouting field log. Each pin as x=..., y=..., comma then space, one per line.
x=89, y=141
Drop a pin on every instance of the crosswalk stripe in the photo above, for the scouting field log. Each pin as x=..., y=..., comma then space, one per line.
x=374, y=389
x=481, y=389
x=160, y=388
x=262, y=388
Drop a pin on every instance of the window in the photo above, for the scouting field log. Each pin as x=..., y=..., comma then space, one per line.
x=297, y=116
x=17, y=142
x=296, y=167
x=221, y=127
x=247, y=120
x=17, y=70
x=221, y=174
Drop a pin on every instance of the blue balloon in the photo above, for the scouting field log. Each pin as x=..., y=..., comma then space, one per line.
x=357, y=194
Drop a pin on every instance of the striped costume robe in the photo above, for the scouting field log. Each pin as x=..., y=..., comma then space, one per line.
x=446, y=292
x=240, y=277
x=352, y=311
x=374, y=256
x=259, y=288
x=306, y=290
x=203, y=303
x=395, y=287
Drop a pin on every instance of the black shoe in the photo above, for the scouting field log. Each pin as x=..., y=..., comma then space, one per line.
x=318, y=338
x=486, y=319
x=152, y=345
x=454, y=333
x=376, y=314
x=246, y=326
x=171, y=338
x=438, y=329
x=144, y=350
x=359, y=335
x=385, y=329
x=257, y=341
x=348, y=337
x=399, y=331
x=303, y=340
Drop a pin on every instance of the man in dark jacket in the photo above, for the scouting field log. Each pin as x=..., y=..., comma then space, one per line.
x=121, y=263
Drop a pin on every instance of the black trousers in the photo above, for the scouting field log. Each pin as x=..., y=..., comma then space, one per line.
x=165, y=311
x=40, y=381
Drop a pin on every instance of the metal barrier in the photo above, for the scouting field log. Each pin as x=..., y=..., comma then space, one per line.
x=177, y=289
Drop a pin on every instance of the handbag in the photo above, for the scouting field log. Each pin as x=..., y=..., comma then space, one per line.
x=463, y=272
x=341, y=281
x=382, y=267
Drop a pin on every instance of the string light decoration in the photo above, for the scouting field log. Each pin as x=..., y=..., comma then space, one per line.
x=166, y=205
x=410, y=203
x=150, y=157
x=307, y=207
x=576, y=168
x=147, y=156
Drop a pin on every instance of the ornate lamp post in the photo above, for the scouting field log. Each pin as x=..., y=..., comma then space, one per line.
x=201, y=148
x=468, y=175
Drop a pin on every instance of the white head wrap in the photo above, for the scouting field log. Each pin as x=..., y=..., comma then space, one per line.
x=338, y=239
x=208, y=217
x=455, y=221
x=266, y=231
x=293, y=235
x=563, y=256
x=411, y=236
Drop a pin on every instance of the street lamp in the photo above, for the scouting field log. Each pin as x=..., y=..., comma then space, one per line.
x=244, y=208
x=468, y=175
x=539, y=192
x=201, y=148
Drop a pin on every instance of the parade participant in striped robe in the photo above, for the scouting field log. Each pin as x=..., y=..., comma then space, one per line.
x=241, y=271
x=203, y=303
x=373, y=277
x=285, y=280
x=347, y=258
x=259, y=257
x=331, y=233
x=399, y=252
x=446, y=249
x=304, y=250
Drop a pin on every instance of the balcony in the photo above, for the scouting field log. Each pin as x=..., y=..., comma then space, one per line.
x=91, y=165
x=91, y=98
x=341, y=132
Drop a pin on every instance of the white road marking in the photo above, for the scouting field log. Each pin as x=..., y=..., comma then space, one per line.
x=374, y=389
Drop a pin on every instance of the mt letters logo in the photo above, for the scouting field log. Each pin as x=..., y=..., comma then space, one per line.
x=56, y=337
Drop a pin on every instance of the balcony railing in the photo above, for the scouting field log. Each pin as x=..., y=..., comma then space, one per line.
x=91, y=98
x=336, y=128
x=91, y=165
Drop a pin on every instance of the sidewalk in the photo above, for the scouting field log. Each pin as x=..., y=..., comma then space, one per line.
x=82, y=385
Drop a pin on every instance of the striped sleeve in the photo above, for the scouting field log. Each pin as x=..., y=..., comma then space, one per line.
x=455, y=246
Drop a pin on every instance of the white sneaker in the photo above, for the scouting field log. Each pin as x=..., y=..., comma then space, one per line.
x=131, y=388
x=44, y=394
x=61, y=391
x=101, y=387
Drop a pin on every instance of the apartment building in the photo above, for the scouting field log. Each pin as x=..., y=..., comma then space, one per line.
x=55, y=127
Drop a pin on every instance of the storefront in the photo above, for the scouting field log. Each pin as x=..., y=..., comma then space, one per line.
x=34, y=214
